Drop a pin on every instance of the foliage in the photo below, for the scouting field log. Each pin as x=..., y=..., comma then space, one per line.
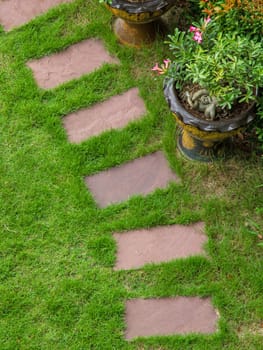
x=105, y=1
x=245, y=16
x=229, y=66
x=259, y=124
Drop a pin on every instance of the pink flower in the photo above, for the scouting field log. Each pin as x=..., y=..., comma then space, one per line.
x=207, y=20
x=157, y=69
x=163, y=68
x=198, y=37
x=166, y=63
x=193, y=29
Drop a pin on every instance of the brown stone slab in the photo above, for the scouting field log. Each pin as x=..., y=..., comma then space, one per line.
x=116, y=112
x=167, y=316
x=140, y=176
x=139, y=247
x=14, y=13
x=73, y=62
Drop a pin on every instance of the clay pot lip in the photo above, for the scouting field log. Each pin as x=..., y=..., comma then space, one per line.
x=205, y=125
x=141, y=7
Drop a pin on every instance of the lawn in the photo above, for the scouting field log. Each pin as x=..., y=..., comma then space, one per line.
x=58, y=289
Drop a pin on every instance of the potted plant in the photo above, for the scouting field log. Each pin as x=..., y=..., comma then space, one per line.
x=211, y=86
x=136, y=22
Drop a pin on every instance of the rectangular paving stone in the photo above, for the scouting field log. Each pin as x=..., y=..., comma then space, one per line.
x=116, y=112
x=71, y=63
x=159, y=244
x=140, y=176
x=168, y=316
x=14, y=13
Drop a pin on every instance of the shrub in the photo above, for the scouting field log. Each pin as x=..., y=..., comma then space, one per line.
x=244, y=16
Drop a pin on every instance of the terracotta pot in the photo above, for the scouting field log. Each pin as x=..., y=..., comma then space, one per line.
x=204, y=140
x=136, y=22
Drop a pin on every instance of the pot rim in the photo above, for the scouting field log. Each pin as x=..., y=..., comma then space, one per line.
x=225, y=125
x=141, y=6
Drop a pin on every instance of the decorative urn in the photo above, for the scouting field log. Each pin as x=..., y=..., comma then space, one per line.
x=137, y=21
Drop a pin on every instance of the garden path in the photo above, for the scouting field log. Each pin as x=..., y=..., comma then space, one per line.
x=144, y=317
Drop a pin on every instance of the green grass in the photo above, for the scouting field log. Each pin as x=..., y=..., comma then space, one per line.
x=58, y=289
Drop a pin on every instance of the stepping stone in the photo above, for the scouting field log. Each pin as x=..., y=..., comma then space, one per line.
x=140, y=176
x=167, y=316
x=139, y=247
x=73, y=62
x=14, y=13
x=116, y=112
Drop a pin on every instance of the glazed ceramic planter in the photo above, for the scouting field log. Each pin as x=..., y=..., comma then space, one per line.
x=204, y=140
x=136, y=22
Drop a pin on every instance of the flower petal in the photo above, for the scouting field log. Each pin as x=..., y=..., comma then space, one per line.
x=157, y=68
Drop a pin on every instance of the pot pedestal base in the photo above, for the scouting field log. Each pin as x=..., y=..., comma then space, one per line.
x=137, y=34
x=202, y=151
